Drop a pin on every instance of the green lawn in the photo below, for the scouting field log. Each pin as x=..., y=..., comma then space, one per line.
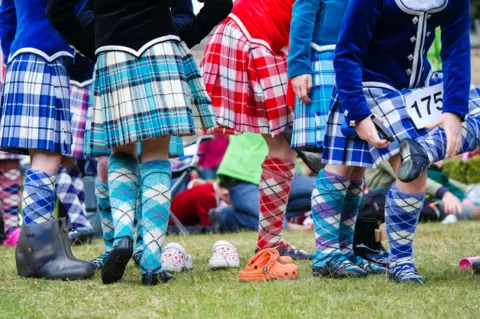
x=218, y=294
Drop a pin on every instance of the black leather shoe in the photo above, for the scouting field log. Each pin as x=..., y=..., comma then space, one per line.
x=339, y=269
x=117, y=261
x=150, y=279
x=414, y=161
x=41, y=253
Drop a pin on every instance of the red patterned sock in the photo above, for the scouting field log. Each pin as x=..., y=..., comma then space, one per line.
x=275, y=187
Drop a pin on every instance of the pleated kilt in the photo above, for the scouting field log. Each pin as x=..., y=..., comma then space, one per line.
x=246, y=81
x=340, y=149
x=79, y=102
x=35, y=106
x=310, y=120
x=137, y=98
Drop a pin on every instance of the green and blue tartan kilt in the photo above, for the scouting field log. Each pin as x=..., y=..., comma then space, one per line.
x=138, y=98
x=390, y=106
x=35, y=106
x=310, y=120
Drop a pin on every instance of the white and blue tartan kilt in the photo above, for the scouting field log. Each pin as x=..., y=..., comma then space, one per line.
x=138, y=98
x=351, y=151
x=310, y=120
x=35, y=106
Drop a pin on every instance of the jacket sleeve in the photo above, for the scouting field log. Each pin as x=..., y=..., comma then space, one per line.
x=8, y=26
x=356, y=31
x=301, y=35
x=212, y=13
x=182, y=12
x=455, y=55
x=62, y=15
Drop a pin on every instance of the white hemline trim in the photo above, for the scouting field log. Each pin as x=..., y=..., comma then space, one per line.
x=49, y=58
x=138, y=53
x=322, y=48
x=381, y=85
x=247, y=34
x=81, y=84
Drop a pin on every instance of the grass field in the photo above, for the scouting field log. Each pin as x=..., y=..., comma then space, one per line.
x=218, y=294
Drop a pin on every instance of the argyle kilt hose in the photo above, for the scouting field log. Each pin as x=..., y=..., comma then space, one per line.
x=137, y=98
x=275, y=186
x=35, y=106
x=246, y=81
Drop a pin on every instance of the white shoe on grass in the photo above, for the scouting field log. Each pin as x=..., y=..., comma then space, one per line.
x=224, y=255
x=175, y=258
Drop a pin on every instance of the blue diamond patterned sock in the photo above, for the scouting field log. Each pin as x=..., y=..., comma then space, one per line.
x=402, y=211
x=349, y=217
x=122, y=187
x=139, y=220
x=327, y=202
x=38, y=199
x=108, y=230
x=67, y=194
x=156, y=196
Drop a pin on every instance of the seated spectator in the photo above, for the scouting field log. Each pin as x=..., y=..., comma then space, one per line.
x=191, y=206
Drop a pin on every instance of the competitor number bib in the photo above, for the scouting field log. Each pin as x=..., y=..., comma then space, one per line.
x=425, y=105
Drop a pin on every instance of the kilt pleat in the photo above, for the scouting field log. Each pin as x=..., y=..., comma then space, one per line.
x=246, y=82
x=35, y=106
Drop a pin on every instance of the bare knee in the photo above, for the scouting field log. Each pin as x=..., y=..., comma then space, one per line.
x=279, y=147
x=102, y=169
x=45, y=161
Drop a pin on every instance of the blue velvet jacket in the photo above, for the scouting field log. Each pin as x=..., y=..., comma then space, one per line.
x=313, y=21
x=24, y=27
x=385, y=43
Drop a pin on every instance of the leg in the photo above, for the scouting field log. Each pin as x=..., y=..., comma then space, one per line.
x=103, y=200
x=348, y=222
x=41, y=250
x=77, y=179
x=420, y=153
x=300, y=200
x=402, y=211
x=122, y=186
x=67, y=194
x=10, y=194
x=38, y=200
x=275, y=185
x=328, y=198
x=156, y=196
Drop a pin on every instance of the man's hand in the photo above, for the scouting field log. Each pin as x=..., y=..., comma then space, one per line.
x=302, y=85
x=451, y=204
x=366, y=131
x=452, y=125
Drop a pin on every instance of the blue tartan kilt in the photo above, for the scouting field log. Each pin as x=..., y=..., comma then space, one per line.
x=35, y=106
x=390, y=106
x=138, y=98
x=309, y=124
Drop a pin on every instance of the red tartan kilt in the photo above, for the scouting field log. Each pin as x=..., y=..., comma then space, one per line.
x=246, y=82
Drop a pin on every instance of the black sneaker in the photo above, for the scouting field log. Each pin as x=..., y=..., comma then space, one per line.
x=414, y=161
x=339, y=268
x=405, y=273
